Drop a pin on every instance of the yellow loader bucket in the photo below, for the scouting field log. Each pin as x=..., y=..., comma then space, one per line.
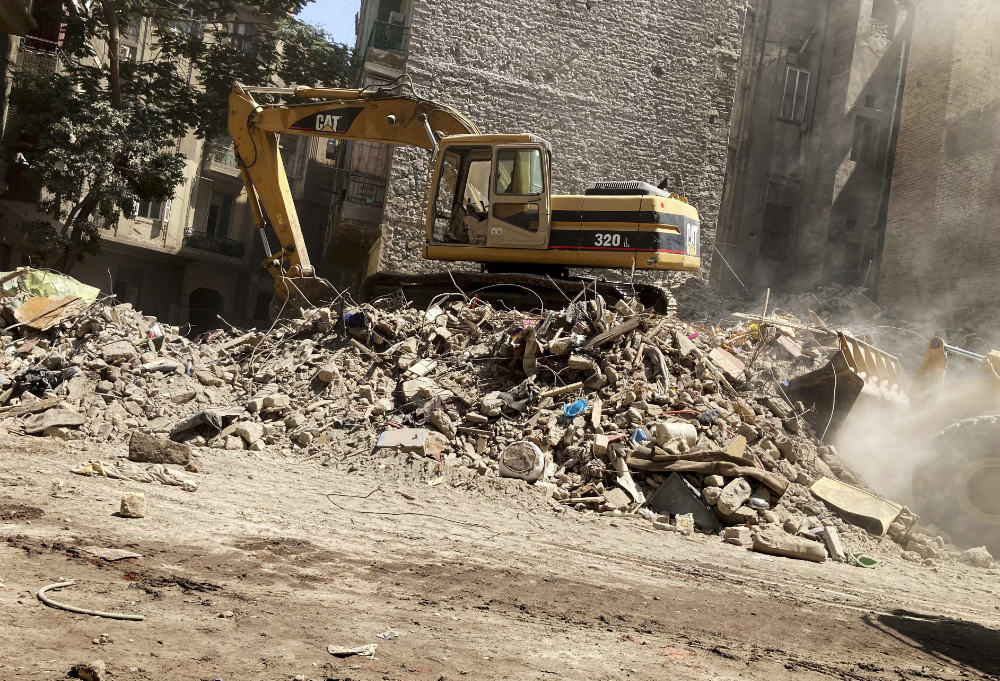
x=857, y=372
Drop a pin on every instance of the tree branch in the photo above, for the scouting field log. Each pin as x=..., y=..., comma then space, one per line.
x=114, y=50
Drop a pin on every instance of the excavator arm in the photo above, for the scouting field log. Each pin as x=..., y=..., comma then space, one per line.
x=362, y=115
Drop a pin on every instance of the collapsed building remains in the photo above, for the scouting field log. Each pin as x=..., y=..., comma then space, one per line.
x=603, y=409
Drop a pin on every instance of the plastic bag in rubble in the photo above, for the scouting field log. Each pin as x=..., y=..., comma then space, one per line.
x=37, y=380
x=40, y=283
x=356, y=320
x=574, y=408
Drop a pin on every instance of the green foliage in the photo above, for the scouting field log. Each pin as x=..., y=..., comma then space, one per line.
x=95, y=158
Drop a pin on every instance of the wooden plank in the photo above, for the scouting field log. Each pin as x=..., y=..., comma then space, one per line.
x=595, y=413
x=614, y=332
x=31, y=408
x=555, y=392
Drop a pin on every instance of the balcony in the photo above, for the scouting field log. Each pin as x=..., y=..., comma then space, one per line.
x=389, y=37
x=220, y=160
x=38, y=56
x=214, y=244
x=363, y=196
x=387, y=44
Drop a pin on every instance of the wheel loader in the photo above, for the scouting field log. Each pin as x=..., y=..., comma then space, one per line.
x=945, y=427
x=488, y=200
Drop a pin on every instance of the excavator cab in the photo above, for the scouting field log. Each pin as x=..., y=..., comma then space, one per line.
x=489, y=191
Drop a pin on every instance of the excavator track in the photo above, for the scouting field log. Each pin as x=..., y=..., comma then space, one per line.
x=512, y=290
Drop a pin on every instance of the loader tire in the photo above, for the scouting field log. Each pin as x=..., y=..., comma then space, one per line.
x=958, y=487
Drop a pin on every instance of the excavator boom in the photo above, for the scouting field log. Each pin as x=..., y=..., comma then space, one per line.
x=368, y=115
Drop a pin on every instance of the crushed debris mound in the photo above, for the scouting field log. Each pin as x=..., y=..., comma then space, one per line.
x=601, y=409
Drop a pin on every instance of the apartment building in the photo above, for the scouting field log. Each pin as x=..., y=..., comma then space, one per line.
x=812, y=143
x=354, y=238
x=196, y=256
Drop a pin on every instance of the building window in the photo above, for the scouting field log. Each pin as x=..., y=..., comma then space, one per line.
x=777, y=232
x=218, y=215
x=793, y=103
x=126, y=52
x=132, y=28
x=192, y=26
x=128, y=284
x=332, y=147
x=864, y=148
x=152, y=210
x=244, y=37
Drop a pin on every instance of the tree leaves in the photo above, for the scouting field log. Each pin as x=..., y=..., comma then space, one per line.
x=96, y=160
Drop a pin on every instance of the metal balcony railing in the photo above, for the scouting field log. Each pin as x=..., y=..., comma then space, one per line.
x=368, y=190
x=222, y=154
x=214, y=244
x=389, y=37
x=37, y=56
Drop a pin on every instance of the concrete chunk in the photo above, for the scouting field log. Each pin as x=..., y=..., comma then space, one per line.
x=616, y=497
x=419, y=388
x=684, y=345
x=833, y=543
x=133, y=505
x=733, y=496
x=418, y=440
x=979, y=556
x=776, y=542
x=600, y=445
x=277, y=402
x=207, y=378
x=713, y=481
x=53, y=418
x=145, y=448
x=328, y=374
x=118, y=352
x=739, y=536
x=711, y=494
x=730, y=365
x=250, y=431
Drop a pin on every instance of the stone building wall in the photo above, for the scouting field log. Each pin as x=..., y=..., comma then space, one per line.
x=805, y=195
x=941, y=258
x=638, y=90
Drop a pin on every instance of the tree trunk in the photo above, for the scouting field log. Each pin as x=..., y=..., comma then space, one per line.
x=71, y=253
x=114, y=53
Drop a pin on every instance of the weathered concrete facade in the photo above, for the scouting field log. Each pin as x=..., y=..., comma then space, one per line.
x=812, y=143
x=942, y=246
x=621, y=91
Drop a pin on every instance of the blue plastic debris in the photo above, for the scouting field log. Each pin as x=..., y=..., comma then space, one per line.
x=575, y=408
x=639, y=435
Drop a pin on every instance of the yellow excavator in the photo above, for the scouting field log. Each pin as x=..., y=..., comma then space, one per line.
x=488, y=198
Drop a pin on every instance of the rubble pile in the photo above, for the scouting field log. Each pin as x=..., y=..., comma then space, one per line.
x=601, y=409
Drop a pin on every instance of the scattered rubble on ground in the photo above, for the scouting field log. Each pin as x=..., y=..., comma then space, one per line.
x=610, y=410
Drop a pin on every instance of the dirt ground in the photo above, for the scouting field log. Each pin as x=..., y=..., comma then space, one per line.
x=256, y=573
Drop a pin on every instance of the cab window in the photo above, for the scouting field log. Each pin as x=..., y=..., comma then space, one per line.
x=519, y=171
